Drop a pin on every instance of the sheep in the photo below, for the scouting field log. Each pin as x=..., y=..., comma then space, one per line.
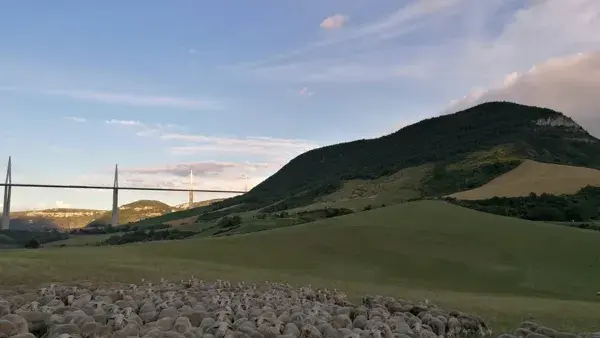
x=60, y=329
x=182, y=325
x=221, y=309
x=24, y=335
x=7, y=328
x=20, y=324
x=36, y=321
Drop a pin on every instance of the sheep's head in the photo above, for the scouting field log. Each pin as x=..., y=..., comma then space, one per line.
x=375, y=333
x=70, y=299
x=118, y=319
x=279, y=327
x=309, y=331
x=222, y=316
x=128, y=311
x=221, y=328
x=113, y=309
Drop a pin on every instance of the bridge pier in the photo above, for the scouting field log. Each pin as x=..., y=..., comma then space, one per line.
x=7, y=194
x=115, y=202
x=191, y=193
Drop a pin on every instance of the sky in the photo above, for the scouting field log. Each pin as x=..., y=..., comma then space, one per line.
x=235, y=89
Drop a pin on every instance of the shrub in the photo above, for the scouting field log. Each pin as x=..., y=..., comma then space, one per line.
x=32, y=244
x=229, y=222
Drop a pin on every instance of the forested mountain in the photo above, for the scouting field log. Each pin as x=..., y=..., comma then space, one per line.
x=469, y=148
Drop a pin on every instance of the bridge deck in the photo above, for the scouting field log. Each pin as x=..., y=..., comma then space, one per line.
x=59, y=186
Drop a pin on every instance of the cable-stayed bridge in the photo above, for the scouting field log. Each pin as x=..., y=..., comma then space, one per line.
x=8, y=185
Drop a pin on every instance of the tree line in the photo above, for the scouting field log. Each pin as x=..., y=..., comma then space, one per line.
x=583, y=206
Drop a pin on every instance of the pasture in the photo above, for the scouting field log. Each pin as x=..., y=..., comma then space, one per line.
x=505, y=270
x=536, y=177
x=80, y=240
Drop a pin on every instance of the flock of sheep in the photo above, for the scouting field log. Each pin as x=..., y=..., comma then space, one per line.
x=221, y=309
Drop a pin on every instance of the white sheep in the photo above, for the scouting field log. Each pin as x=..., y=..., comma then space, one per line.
x=221, y=309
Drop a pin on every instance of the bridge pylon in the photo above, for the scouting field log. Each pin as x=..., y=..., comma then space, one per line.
x=4, y=225
x=115, y=199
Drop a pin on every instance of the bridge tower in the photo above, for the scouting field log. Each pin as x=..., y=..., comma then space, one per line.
x=115, y=204
x=7, y=194
x=191, y=193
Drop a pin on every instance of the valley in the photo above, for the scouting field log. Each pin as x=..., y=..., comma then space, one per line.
x=392, y=216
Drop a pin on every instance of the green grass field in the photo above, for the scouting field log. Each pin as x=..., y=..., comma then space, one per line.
x=80, y=240
x=506, y=270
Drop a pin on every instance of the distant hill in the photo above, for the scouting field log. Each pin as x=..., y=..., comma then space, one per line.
x=134, y=211
x=58, y=218
x=71, y=218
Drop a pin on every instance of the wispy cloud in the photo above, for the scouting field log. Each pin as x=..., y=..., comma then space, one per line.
x=124, y=122
x=450, y=43
x=210, y=175
x=75, y=119
x=334, y=21
x=179, y=142
x=136, y=100
x=124, y=98
x=266, y=146
x=200, y=169
x=347, y=48
x=147, y=129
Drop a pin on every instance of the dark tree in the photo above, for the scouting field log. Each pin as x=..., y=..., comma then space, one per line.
x=32, y=244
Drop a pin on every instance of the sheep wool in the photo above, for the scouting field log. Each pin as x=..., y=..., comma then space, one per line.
x=221, y=309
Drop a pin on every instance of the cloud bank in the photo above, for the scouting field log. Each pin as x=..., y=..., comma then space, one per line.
x=270, y=154
x=569, y=84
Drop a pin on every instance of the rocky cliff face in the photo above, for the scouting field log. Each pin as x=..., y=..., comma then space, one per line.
x=558, y=121
x=68, y=219
x=53, y=218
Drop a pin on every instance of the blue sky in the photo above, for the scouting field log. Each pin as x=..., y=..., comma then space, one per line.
x=235, y=89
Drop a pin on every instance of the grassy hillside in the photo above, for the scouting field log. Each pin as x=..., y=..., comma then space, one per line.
x=18, y=238
x=81, y=240
x=535, y=177
x=465, y=150
x=435, y=157
x=504, y=269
